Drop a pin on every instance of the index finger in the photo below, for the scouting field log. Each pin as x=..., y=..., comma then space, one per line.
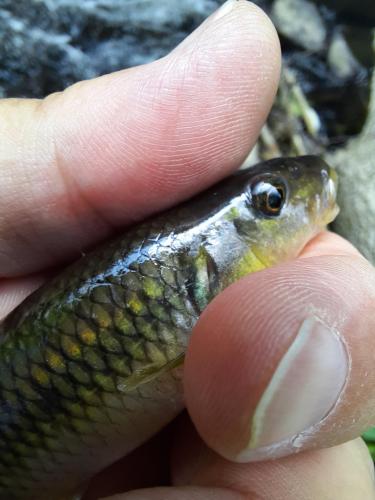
x=110, y=151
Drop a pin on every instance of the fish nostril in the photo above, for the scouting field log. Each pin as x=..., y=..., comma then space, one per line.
x=324, y=175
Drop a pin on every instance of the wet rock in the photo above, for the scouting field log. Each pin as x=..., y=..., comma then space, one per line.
x=46, y=45
x=360, y=12
x=341, y=59
x=300, y=22
x=356, y=197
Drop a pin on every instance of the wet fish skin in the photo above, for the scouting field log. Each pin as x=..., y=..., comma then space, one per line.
x=91, y=364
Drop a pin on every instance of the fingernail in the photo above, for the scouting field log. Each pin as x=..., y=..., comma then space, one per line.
x=303, y=390
x=224, y=9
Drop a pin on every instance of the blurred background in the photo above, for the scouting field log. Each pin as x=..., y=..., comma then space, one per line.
x=326, y=100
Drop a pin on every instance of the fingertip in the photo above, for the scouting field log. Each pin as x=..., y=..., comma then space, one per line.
x=276, y=363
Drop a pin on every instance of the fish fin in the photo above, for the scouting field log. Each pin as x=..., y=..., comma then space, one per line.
x=144, y=375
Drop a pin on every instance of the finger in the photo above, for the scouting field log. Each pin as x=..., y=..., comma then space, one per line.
x=326, y=243
x=146, y=466
x=344, y=472
x=14, y=291
x=284, y=359
x=180, y=493
x=109, y=151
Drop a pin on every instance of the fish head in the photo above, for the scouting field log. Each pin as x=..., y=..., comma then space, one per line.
x=277, y=207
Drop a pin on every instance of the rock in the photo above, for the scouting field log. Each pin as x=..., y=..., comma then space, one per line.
x=341, y=59
x=360, y=12
x=356, y=196
x=300, y=22
x=46, y=45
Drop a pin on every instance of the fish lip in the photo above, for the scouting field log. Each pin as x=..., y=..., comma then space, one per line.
x=330, y=196
x=332, y=214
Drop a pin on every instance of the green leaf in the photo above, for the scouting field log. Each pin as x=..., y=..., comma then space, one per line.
x=371, y=449
x=369, y=435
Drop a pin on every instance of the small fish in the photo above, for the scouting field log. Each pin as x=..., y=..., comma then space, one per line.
x=91, y=364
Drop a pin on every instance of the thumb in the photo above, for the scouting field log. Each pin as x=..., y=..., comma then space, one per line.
x=284, y=360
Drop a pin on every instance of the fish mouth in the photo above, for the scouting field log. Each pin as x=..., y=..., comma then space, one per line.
x=331, y=214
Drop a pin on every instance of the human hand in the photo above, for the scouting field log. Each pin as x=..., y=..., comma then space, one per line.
x=110, y=151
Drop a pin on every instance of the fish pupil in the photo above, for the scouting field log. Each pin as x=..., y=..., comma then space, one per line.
x=275, y=198
x=268, y=198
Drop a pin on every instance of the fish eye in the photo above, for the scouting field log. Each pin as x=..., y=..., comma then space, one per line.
x=268, y=197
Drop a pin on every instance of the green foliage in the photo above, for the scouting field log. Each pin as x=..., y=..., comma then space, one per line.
x=369, y=437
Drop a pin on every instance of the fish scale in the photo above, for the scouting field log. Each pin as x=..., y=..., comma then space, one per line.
x=90, y=365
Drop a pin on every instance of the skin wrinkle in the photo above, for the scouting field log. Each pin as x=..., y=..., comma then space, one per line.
x=75, y=195
x=199, y=59
x=19, y=234
x=212, y=145
x=157, y=140
x=28, y=226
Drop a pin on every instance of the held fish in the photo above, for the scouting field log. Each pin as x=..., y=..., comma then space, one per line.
x=91, y=364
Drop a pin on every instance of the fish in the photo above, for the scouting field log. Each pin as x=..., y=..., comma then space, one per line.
x=91, y=364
